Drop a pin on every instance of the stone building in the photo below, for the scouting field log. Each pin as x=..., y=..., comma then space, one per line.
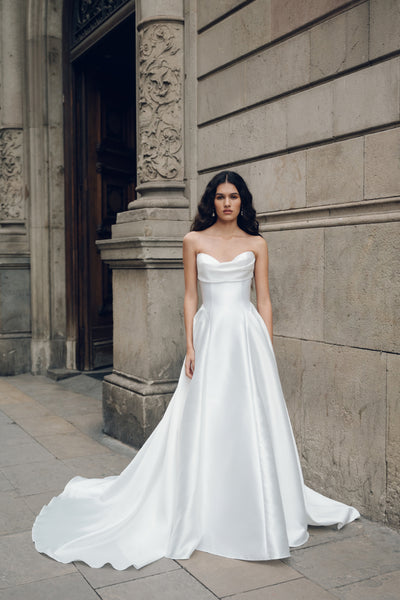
x=113, y=116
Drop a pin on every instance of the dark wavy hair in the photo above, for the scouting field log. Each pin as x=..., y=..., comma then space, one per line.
x=206, y=217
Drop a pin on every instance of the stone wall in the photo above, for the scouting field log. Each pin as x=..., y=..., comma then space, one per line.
x=302, y=98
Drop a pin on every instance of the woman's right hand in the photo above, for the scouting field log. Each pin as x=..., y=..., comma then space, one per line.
x=189, y=363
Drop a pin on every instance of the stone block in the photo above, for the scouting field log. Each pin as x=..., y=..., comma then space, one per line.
x=209, y=10
x=278, y=69
x=384, y=587
x=348, y=561
x=148, y=344
x=384, y=27
x=339, y=43
x=15, y=314
x=393, y=441
x=309, y=115
x=21, y=563
x=130, y=416
x=382, y=164
x=175, y=585
x=296, y=282
x=259, y=131
x=288, y=352
x=335, y=173
x=367, y=98
x=289, y=15
x=277, y=183
x=344, y=397
x=220, y=94
x=241, y=32
x=224, y=576
x=361, y=289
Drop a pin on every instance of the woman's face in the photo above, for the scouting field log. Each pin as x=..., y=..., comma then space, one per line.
x=227, y=202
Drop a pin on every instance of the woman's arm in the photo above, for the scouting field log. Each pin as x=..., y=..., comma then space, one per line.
x=191, y=299
x=264, y=305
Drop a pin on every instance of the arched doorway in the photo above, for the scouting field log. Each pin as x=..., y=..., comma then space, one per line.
x=100, y=161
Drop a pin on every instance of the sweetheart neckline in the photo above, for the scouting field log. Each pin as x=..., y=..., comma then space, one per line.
x=225, y=262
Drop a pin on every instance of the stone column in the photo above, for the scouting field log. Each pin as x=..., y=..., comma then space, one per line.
x=145, y=249
x=15, y=318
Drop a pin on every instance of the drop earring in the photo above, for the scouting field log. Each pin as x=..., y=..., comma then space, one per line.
x=213, y=213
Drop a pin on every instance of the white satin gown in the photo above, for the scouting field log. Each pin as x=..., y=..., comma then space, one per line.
x=220, y=473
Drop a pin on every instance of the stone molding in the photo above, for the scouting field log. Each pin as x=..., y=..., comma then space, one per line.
x=160, y=102
x=144, y=387
x=11, y=182
x=375, y=211
x=142, y=253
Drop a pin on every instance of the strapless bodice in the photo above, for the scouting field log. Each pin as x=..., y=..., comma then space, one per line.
x=225, y=284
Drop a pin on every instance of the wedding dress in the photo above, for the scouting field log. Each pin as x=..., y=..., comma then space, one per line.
x=220, y=473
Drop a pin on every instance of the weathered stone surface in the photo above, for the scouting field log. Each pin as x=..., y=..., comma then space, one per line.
x=99, y=578
x=131, y=417
x=225, y=577
x=209, y=10
x=256, y=132
x=15, y=300
x=288, y=15
x=393, y=441
x=384, y=27
x=362, y=292
x=241, y=32
x=15, y=355
x=296, y=282
x=278, y=69
x=15, y=515
x=340, y=42
x=348, y=561
x=176, y=585
x=289, y=357
x=38, y=477
x=148, y=333
x=71, y=586
x=301, y=589
x=69, y=445
x=367, y=98
x=384, y=587
x=21, y=563
x=335, y=173
x=344, y=398
x=382, y=164
x=211, y=103
x=315, y=122
x=277, y=183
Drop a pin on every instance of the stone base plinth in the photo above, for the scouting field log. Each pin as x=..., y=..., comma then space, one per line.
x=133, y=409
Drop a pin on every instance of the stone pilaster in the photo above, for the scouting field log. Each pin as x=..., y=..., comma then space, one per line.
x=145, y=249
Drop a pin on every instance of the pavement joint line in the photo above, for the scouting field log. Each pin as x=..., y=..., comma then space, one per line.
x=108, y=585
x=201, y=583
x=266, y=587
x=343, y=585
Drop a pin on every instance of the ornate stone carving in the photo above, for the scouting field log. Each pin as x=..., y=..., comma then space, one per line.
x=160, y=102
x=89, y=14
x=11, y=185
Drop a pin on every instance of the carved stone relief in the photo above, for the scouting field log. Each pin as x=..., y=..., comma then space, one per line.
x=11, y=184
x=160, y=102
x=89, y=14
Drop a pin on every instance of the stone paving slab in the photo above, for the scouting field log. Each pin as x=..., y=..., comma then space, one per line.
x=38, y=477
x=71, y=586
x=71, y=445
x=106, y=576
x=298, y=589
x=15, y=514
x=384, y=587
x=175, y=585
x=21, y=563
x=225, y=576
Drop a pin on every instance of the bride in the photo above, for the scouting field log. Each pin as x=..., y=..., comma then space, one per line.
x=221, y=472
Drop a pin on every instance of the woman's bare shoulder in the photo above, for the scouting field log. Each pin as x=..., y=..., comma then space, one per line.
x=193, y=238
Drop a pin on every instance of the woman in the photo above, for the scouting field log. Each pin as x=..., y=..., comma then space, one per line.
x=220, y=473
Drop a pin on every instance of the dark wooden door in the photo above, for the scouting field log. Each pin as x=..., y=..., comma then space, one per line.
x=105, y=180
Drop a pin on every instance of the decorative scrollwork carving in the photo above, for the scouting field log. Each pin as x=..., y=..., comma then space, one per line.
x=11, y=185
x=89, y=14
x=160, y=102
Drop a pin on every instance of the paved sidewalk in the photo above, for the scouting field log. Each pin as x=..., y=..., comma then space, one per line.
x=50, y=432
